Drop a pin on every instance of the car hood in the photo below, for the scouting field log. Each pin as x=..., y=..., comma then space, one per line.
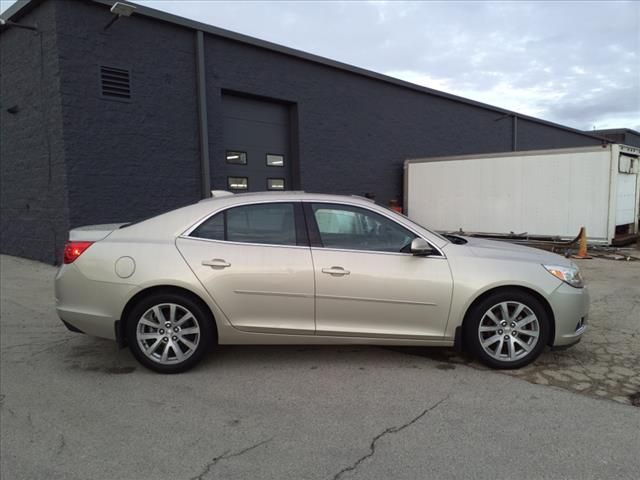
x=505, y=250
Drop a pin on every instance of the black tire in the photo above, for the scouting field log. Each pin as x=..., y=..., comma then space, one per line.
x=201, y=319
x=472, y=336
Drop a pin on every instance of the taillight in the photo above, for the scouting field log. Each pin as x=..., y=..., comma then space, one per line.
x=72, y=250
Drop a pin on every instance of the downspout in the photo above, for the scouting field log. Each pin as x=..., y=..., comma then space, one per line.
x=514, y=135
x=203, y=124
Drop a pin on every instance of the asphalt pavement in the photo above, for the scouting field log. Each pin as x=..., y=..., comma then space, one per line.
x=75, y=407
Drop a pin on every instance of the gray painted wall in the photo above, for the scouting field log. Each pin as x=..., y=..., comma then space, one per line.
x=128, y=160
x=355, y=132
x=33, y=206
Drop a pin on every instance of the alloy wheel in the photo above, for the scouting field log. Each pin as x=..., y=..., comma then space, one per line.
x=168, y=333
x=509, y=331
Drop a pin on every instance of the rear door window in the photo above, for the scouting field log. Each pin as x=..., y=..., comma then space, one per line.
x=266, y=223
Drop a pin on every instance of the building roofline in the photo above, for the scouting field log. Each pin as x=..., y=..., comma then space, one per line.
x=23, y=6
x=614, y=130
x=19, y=8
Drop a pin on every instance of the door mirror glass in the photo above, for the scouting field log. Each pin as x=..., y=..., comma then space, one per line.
x=420, y=247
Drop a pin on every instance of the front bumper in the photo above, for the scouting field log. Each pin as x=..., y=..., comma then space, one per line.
x=571, y=311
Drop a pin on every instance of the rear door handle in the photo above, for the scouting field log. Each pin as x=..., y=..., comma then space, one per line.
x=216, y=263
x=336, y=271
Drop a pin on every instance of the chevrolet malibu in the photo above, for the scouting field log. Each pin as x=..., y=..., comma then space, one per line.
x=298, y=268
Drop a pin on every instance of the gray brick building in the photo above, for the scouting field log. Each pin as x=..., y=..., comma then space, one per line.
x=104, y=125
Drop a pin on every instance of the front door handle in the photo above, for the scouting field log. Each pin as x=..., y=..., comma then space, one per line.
x=336, y=271
x=216, y=263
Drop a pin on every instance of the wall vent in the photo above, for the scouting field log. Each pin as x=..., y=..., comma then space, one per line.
x=115, y=83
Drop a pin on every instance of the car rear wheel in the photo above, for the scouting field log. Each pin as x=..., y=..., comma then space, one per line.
x=508, y=329
x=169, y=333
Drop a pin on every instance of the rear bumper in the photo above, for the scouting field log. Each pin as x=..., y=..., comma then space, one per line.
x=571, y=311
x=83, y=322
x=86, y=305
x=71, y=328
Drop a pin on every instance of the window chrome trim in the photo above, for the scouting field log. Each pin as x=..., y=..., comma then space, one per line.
x=377, y=252
x=229, y=242
x=187, y=232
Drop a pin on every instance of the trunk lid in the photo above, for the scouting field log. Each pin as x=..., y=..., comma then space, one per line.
x=93, y=233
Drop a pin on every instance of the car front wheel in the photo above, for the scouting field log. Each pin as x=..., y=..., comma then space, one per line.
x=169, y=333
x=508, y=329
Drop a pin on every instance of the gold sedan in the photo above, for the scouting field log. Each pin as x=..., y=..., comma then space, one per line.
x=297, y=268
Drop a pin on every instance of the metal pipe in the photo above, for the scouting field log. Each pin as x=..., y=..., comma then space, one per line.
x=515, y=133
x=203, y=124
x=111, y=22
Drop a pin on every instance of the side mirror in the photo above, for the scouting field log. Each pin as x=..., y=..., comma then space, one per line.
x=420, y=247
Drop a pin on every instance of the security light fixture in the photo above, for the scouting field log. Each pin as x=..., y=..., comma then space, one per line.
x=119, y=10
x=122, y=9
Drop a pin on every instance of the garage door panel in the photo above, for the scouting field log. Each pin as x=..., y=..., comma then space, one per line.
x=245, y=132
x=255, y=110
x=257, y=128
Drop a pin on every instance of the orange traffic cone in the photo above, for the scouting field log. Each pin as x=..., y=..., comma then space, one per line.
x=582, y=245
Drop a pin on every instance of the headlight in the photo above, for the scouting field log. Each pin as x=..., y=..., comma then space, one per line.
x=570, y=275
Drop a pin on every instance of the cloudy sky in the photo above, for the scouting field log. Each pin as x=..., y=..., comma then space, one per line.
x=573, y=62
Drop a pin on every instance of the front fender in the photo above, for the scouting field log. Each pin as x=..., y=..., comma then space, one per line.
x=474, y=277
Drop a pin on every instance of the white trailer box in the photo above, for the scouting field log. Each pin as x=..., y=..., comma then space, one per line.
x=540, y=193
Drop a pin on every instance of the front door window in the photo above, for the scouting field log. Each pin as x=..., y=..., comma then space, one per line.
x=354, y=228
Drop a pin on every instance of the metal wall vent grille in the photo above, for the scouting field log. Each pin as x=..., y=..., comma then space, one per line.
x=115, y=83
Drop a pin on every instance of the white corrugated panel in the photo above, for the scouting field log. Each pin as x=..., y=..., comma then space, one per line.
x=547, y=194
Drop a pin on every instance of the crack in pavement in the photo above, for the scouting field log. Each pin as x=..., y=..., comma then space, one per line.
x=61, y=445
x=225, y=456
x=387, y=431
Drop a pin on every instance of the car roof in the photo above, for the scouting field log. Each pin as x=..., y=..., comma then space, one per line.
x=177, y=221
x=168, y=226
